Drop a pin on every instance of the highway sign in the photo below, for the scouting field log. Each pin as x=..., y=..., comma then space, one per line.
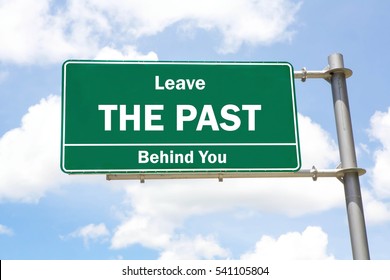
x=148, y=117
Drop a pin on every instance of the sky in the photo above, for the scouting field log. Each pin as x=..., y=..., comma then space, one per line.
x=46, y=214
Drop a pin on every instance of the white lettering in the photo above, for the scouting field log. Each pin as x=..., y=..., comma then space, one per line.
x=203, y=156
x=157, y=83
x=208, y=117
x=179, y=84
x=230, y=117
x=208, y=113
x=143, y=157
x=190, y=84
x=149, y=117
x=169, y=84
x=200, y=84
x=107, y=115
x=153, y=158
x=123, y=117
x=212, y=158
x=165, y=158
x=251, y=115
x=181, y=118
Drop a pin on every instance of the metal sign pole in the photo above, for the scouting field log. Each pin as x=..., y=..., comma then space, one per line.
x=350, y=180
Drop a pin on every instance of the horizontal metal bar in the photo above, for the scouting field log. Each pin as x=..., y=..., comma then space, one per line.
x=320, y=74
x=311, y=173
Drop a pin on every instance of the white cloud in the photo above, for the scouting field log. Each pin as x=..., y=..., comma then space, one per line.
x=239, y=22
x=30, y=33
x=91, y=232
x=159, y=208
x=375, y=211
x=6, y=230
x=128, y=53
x=380, y=131
x=317, y=147
x=200, y=247
x=144, y=230
x=311, y=244
x=47, y=31
x=29, y=154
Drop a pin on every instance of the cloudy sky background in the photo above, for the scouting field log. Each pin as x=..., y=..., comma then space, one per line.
x=45, y=214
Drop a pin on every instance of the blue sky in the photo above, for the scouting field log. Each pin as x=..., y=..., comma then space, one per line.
x=45, y=214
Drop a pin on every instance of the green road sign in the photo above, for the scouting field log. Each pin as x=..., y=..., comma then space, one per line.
x=148, y=117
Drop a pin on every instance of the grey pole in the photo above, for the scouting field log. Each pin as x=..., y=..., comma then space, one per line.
x=354, y=204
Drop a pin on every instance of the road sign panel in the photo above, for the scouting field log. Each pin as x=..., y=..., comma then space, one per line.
x=147, y=117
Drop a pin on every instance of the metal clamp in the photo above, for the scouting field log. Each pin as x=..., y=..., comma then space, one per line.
x=314, y=173
x=342, y=171
x=326, y=73
x=304, y=74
